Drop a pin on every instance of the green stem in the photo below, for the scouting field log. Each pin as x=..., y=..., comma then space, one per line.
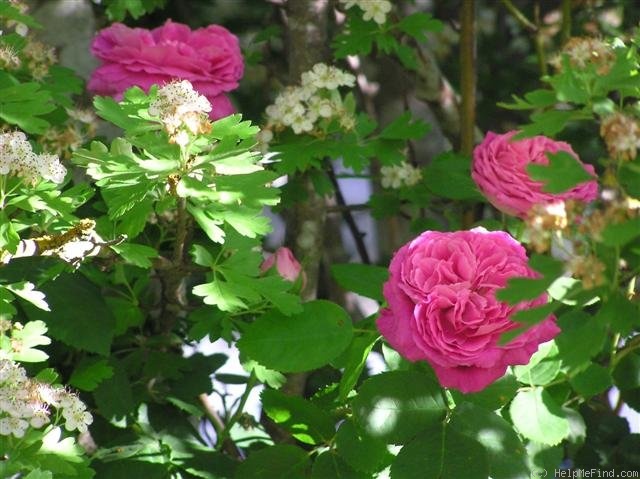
x=628, y=348
x=519, y=16
x=565, y=32
x=223, y=437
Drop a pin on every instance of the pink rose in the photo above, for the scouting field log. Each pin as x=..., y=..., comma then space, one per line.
x=500, y=171
x=286, y=264
x=208, y=57
x=443, y=309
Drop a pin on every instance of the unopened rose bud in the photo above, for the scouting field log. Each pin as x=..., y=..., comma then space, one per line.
x=286, y=264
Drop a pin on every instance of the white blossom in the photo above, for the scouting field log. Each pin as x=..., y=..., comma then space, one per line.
x=179, y=106
x=375, y=10
x=18, y=158
x=300, y=107
x=397, y=176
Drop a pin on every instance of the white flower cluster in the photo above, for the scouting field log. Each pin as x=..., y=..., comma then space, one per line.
x=397, y=176
x=25, y=402
x=375, y=10
x=301, y=107
x=181, y=109
x=17, y=158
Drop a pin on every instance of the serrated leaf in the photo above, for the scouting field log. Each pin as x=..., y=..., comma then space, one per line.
x=403, y=128
x=360, y=451
x=593, y=380
x=363, y=279
x=494, y=396
x=395, y=406
x=417, y=24
x=563, y=173
x=619, y=234
x=521, y=289
x=355, y=359
x=330, y=465
x=90, y=373
x=281, y=461
x=505, y=451
x=441, y=452
x=304, y=420
x=449, y=176
x=538, y=418
x=300, y=342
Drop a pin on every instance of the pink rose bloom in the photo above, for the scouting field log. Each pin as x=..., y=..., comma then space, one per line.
x=286, y=264
x=500, y=171
x=443, y=309
x=208, y=57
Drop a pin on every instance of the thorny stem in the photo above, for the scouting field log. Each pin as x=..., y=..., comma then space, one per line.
x=348, y=217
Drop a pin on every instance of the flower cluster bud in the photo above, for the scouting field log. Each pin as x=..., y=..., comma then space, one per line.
x=589, y=269
x=26, y=402
x=397, y=176
x=182, y=111
x=375, y=10
x=542, y=220
x=621, y=134
x=18, y=158
x=304, y=106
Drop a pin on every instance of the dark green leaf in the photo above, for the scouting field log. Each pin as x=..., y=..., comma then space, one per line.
x=300, y=342
x=281, y=461
x=494, y=396
x=505, y=451
x=449, y=175
x=90, y=373
x=521, y=289
x=328, y=465
x=417, y=24
x=402, y=128
x=363, y=279
x=394, y=406
x=362, y=452
x=441, y=452
x=619, y=234
x=593, y=380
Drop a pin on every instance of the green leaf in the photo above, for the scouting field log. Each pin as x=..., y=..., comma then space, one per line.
x=441, y=452
x=563, y=173
x=23, y=104
x=538, y=418
x=39, y=474
x=355, y=359
x=363, y=279
x=543, y=366
x=26, y=290
x=90, y=373
x=547, y=123
x=402, y=128
x=362, y=452
x=136, y=254
x=329, y=465
x=300, y=342
x=32, y=334
x=593, y=380
x=304, y=420
x=505, y=451
x=82, y=319
x=627, y=372
x=114, y=396
x=395, y=406
x=494, y=396
x=281, y=461
x=619, y=234
x=449, y=176
x=417, y=24
x=620, y=313
x=581, y=338
x=521, y=289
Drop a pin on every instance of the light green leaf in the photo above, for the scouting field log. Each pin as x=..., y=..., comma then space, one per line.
x=563, y=173
x=538, y=418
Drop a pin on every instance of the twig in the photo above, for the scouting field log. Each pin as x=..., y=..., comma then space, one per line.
x=223, y=436
x=565, y=31
x=342, y=208
x=218, y=425
x=467, y=76
x=348, y=217
x=519, y=16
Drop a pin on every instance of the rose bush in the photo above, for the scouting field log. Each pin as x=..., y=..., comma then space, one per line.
x=499, y=170
x=442, y=306
x=209, y=58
